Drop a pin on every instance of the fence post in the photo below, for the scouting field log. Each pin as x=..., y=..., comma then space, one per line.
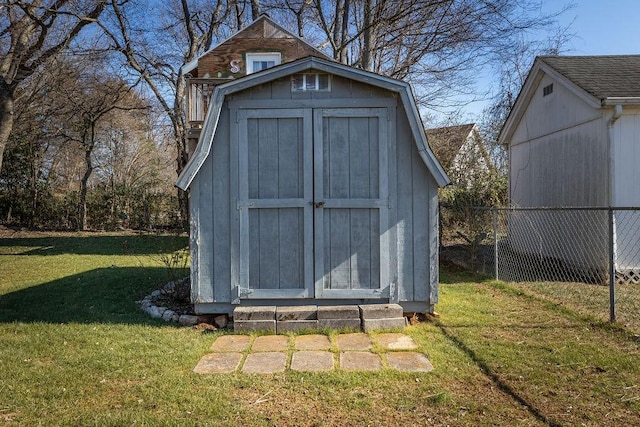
x=612, y=267
x=495, y=240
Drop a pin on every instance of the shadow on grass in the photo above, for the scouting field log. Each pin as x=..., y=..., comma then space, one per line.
x=103, y=295
x=134, y=244
x=494, y=377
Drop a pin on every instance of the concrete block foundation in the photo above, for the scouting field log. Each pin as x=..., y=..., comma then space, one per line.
x=283, y=319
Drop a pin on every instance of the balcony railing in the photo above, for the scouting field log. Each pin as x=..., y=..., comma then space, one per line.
x=199, y=93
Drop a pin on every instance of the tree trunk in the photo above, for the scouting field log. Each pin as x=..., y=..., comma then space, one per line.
x=33, y=184
x=255, y=9
x=182, y=156
x=344, y=34
x=82, y=205
x=6, y=115
x=112, y=209
x=183, y=196
x=368, y=35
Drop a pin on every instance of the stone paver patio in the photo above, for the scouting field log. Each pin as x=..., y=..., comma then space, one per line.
x=265, y=363
x=313, y=342
x=218, y=363
x=312, y=361
x=237, y=343
x=360, y=361
x=269, y=354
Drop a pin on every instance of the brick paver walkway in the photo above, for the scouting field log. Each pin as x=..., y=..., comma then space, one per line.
x=270, y=354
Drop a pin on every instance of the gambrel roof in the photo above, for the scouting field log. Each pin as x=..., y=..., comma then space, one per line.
x=401, y=88
x=600, y=81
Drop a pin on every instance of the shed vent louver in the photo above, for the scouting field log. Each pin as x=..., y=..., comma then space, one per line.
x=310, y=82
x=547, y=90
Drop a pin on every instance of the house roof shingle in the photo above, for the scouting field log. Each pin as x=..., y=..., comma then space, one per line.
x=603, y=76
x=445, y=142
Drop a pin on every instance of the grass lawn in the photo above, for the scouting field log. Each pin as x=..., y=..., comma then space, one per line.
x=75, y=349
x=592, y=299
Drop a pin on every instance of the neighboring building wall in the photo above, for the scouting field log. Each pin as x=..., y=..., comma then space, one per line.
x=471, y=163
x=558, y=155
x=626, y=159
x=626, y=167
x=564, y=152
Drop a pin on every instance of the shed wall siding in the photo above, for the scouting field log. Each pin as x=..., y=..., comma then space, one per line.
x=341, y=88
x=416, y=221
x=211, y=221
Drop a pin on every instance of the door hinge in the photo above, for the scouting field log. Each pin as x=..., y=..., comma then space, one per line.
x=394, y=296
x=245, y=293
x=241, y=204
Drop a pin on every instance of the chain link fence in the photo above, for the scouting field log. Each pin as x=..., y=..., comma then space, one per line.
x=587, y=259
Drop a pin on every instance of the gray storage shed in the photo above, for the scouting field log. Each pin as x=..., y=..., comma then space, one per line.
x=313, y=183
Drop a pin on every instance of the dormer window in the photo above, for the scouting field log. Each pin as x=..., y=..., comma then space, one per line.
x=310, y=82
x=261, y=61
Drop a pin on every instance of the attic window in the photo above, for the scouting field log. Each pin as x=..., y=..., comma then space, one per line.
x=261, y=61
x=547, y=90
x=310, y=82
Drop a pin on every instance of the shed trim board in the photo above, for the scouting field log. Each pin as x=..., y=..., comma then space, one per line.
x=403, y=89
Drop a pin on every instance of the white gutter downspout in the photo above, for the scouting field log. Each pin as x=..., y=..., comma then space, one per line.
x=617, y=112
x=613, y=245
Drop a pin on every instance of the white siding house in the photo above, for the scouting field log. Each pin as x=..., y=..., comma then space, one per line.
x=574, y=141
x=462, y=153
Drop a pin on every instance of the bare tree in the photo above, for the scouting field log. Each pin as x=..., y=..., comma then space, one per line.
x=156, y=43
x=437, y=45
x=512, y=72
x=132, y=167
x=91, y=97
x=31, y=32
x=36, y=145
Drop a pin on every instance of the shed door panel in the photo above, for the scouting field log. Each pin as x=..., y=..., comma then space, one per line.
x=351, y=203
x=275, y=192
x=313, y=203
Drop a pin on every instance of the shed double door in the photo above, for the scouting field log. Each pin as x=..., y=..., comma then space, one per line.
x=313, y=203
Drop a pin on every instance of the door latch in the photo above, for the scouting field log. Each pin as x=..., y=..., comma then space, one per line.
x=317, y=204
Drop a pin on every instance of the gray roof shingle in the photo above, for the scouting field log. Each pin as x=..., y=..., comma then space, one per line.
x=603, y=76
